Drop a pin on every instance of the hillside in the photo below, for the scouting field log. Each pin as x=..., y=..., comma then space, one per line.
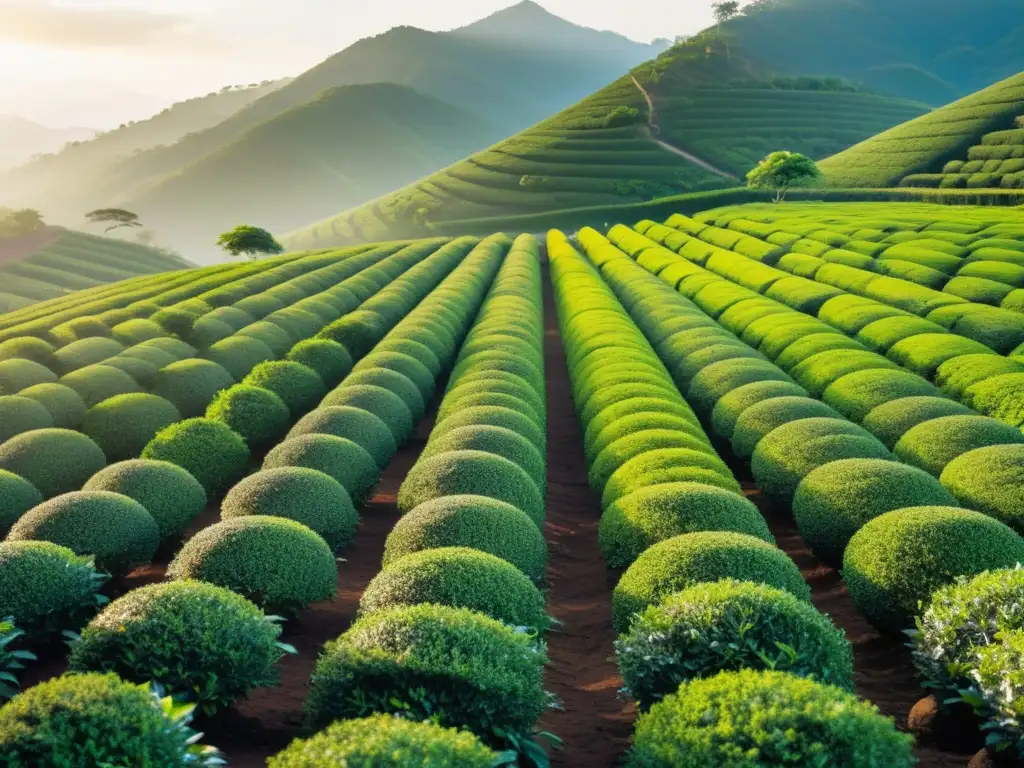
x=55, y=261
x=722, y=109
x=22, y=139
x=348, y=145
x=505, y=71
x=37, y=179
x=926, y=144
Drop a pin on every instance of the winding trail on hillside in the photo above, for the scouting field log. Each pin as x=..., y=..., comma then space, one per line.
x=655, y=132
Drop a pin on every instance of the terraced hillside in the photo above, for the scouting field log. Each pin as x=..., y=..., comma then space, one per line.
x=997, y=160
x=926, y=144
x=55, y=261
x=612, y=148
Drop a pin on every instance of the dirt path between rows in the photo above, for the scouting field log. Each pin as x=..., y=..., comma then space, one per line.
x=655, y=132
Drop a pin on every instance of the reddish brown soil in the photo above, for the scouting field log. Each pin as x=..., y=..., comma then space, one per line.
x=595, y=725
x=18, y=248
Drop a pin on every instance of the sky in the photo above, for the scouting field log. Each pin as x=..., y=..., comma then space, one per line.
x=97, y=63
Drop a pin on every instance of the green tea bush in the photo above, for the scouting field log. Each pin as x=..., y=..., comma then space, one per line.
x=727, y=626
x=305, y=495
x=363, y=428
x=80, y=721
x=170, y=494
x=207, y=331
x=461, y=578
x=236, y=318
x=96, y=383
x=762, y=418
x=357, y=331
x=381, y=402
x=16, y=375
x=493, y=416
x=417, y=349
x=990, y=480
x=141, y=370
x=47, y=588
x=834, y=501
x=731, y=406
x=79, y=354
x=675, y=564
x=889, y=422
x=636, y=424
x=21, y=414
x=622, y=450
x=635, y=522
x=894, y=563
x=497, y=440
x=17, y=496
x=136, y=331
x=338, y=458
x=400, y=660
x=279, y=564
x=816, y=373
x=330, y=360
x=477, y=473
x=391, y=740
x=191, y=385
x=273, y=336
x=175, y=320
x=238, y=355
x=1001, y=397
x=192, y=638
x=207, y=449
x=477, y=522
x=65, y=406
x=122, y=426
x=117, y=530
x=392, y=381
x=857, y=394
x=758, y=717
x=934, y=444
x=255, y=413
x=157, y=358
x=924, y=353
x=408, y=366
x=28, y=348
x=665, y=466
x=298, y=385
x=174, y=347
x=55, y=461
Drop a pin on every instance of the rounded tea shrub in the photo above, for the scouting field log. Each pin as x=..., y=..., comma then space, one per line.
x=471, y=472
x=761, y=718
x=298, y=385
x=477, y=522
x=406, y=365
x=674, y=564
x=760, y=419
x=85, y=352
x=255, y=413
x=122, y=723
x=65, y=406
x=894, y=564
x=28, y=348
x=207, y=449
x=889, y=422
x=667, y=465
x=990, y=480
x=122, y=426
x=238, y=355
x=727, y=626
x=934, y=444
x=462, y=578
x=336, y=457
x=835, y=500
x=394, y=382
x=55, y=461
x=659, y=512
x=354, y=424
x=331, y=361
x=857, y=394
x=731, y=406
x=497, y=440
x=191, y=384
x=16, y=375
x=96, y=383
x=21, y=414
x=170, y=494
x=381, y=402
x=279, y=564
x=401, y=660
x=141, y=370
x=17, y=496
x=188, y=637
x=116, y=530
x=493, y=416
x=304, y=495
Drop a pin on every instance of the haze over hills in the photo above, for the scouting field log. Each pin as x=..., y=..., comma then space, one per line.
x=507, y=70
x=21, y=139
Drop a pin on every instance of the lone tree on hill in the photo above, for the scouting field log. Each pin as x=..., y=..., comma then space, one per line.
x=724, y=10
x=782, y=170
x=249, y=241
x=116, y=217
x=21, y=222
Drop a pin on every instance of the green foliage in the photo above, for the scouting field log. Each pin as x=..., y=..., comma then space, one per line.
x=996, y=696
x=279, y=564
x=894, y=563
x=363, y=428
x=331, y=361
x=123, y=425
x=11, y=659
x=136, y=331
x=249, y=241
x=381, y=402
x=462, y=578
x=890, y=421
x=21, y=414
x=934, y=444
x=452, y=665
x=731, y=406
x=357, y=331
x=760, y=419
x=990, y=480
x=729, y=625
x=81, y=721
x=16, y=375
x=191, y=385
x=28, y=348
x=207, y=449
x=338, y=458
x=305, y=495
x=752, y=718
x=782, y=170
x=680, y=562
x=55, y=461
x=656, y=513
x=477, y=522
x=255, y=413
x=296, y=384
x=197, y=640
x=239, y=354
x=665, y=466
x=170, y=494
x=496, y=440
x=17, y=496
x=96, y=383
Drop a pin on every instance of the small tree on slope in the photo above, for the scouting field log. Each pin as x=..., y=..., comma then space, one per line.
x=782, y=170
x=115, y=217
x=249, y=241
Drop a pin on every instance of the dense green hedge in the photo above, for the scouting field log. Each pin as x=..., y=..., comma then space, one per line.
x=207, y=449
x=55, y=461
